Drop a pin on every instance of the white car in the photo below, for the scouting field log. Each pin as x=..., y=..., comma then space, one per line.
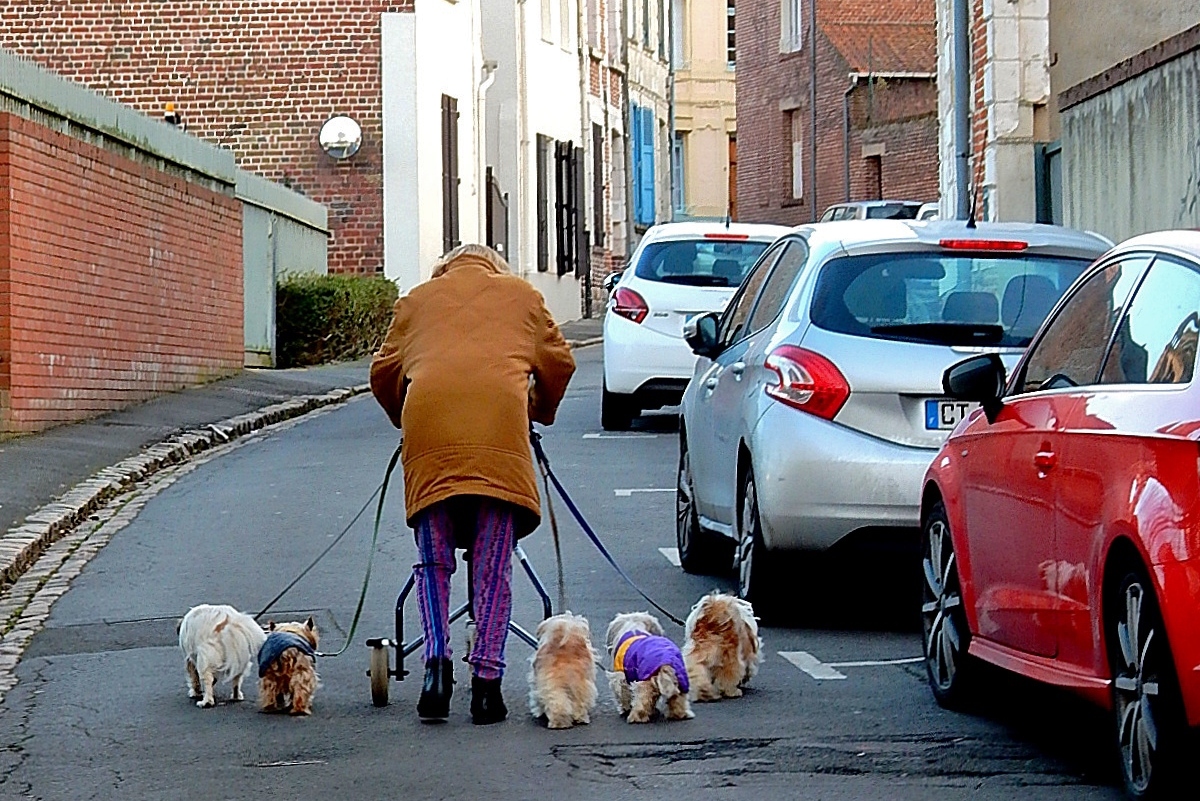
x=678, y=270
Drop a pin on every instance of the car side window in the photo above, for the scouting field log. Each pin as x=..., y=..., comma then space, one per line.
x=1156, y=341
x=1071, y=349
x=778, y=286
x=734, y=320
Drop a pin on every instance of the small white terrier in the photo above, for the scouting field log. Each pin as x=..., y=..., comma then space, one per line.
x=219, y=643
x=722, y=650
x=562, y=672
x=646, y=667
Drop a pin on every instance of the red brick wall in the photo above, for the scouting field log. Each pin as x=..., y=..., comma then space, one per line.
x=900, y=114
x=256, y=76
x=118, y=281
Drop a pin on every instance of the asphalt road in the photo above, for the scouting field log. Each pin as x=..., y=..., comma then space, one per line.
x=100, y=710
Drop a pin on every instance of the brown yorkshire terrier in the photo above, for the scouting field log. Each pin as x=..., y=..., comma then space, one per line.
x=287, y=668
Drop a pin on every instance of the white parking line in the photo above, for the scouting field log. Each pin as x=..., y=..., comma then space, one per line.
x=672, y=555
x=878, y=662
x=627, y=493
x=620, y=436
x=811, y=665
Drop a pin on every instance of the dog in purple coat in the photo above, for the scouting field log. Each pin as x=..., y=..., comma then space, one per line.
x=646, y=666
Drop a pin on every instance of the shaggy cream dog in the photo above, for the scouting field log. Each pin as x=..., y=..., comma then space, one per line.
x=722, y=649
x=562, y=672
x=219, y=643
x=646, y=667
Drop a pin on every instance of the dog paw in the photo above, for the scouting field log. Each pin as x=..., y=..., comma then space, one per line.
x=206, y=703
x=300, y=712
x=193, y=693
x=238, y=696
x=558, y=723
x=736, y=692
x=638, y=717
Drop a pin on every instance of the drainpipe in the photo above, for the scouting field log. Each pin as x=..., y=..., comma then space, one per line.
x=628, y=129
x=670, y=23
x=846, y=130
x=962, y=108
x=812, y=37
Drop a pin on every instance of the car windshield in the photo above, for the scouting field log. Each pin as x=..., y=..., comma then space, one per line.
x=699, y=262
x=942, y=299
x=893, y=211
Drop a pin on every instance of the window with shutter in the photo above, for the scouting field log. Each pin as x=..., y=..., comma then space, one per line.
x=646, y=172
x=450, y=180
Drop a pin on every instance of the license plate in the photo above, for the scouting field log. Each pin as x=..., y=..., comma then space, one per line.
x=943, y=415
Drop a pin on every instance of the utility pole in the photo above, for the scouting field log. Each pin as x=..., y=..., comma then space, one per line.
x=962, y=108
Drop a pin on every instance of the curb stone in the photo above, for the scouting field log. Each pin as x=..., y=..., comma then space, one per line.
x=21, y=545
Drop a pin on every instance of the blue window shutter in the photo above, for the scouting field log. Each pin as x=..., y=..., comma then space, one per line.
x=635, y=121
x=646, y=171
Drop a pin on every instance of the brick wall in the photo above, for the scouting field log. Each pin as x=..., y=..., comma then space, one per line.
x=256, y=76
x=899, y=114
x=117, y=280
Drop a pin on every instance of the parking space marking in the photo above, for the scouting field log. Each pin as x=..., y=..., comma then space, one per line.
x=811, y=665
x=628, y=493
x=910, y=660
x=672, y=555
x=620, y=436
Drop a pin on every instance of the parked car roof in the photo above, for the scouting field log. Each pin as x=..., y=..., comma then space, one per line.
x=1182, y=241
x=691, y=229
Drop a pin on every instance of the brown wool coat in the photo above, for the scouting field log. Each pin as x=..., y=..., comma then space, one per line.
x=471, y=357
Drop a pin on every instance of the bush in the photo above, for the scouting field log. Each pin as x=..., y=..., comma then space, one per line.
x=326, y=318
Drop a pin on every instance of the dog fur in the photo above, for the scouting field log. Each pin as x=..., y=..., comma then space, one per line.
x=219, y=643
x=290, y=682
x=639, y=700
x=722, y=650
x=562, y=672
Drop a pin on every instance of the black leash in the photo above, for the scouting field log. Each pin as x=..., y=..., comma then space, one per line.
x=381, y=491
x=536, y=439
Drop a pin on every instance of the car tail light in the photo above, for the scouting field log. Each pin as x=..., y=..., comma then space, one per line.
x=983, y=244
x=807, y=381
x=737, y=237
x=630, y=305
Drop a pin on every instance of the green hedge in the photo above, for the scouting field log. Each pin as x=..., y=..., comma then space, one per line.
x=326, y=318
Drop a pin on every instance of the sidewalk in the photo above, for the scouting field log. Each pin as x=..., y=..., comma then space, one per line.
x=37, y=468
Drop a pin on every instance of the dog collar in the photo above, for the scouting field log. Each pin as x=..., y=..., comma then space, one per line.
x=619, y=656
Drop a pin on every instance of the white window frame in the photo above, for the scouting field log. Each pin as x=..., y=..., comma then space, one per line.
x=797, y=121
x=791, y=29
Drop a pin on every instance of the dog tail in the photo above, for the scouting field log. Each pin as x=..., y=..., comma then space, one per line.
x=666, y=682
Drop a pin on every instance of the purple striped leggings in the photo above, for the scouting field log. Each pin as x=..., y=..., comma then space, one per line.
x=438, y=529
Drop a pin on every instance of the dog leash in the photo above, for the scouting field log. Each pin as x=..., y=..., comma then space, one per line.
x=381, y=491
x=536, y=439
x=558, y=563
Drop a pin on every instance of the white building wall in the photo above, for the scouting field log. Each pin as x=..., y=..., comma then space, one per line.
x=433, y=51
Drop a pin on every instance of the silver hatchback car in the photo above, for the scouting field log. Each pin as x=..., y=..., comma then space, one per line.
x=817, y=403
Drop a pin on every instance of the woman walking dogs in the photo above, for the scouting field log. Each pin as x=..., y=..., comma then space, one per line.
x=471, y=358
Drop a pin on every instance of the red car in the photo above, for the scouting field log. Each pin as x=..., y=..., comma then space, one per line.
x=1061, y=520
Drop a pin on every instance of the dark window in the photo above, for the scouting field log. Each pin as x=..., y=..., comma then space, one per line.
x=734, y=319
x=544, y=143
x=939, y=298
x=1047, y=178
x=1156, y=341
x=450, y=212
x=598, y=181
x=698, y=262
x=570, y=232
x=730, y=44
x=1072, y=349
x=893, y=211
x=778, y=286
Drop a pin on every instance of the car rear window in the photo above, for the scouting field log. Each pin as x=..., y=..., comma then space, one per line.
x=942, y=299
x=893, y=211
x=699, y=262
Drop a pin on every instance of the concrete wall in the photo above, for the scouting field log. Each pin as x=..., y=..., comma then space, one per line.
x=282, y=232
x=1131, y=154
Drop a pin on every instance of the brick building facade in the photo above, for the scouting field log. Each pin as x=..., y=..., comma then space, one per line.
x=256, y=76
x=876, y=128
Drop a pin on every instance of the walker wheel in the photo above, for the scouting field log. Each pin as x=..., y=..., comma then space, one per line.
x=380, y=673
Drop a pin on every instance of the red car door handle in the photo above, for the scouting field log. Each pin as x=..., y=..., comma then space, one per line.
x=1045, y=461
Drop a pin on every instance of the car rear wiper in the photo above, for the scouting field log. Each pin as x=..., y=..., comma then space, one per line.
x=695, y=280
x=947, y=333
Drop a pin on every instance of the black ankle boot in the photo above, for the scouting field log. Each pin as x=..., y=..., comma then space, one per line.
x=487, y=704
x=435, y=694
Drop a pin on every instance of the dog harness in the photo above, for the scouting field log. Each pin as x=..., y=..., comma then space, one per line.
x=639, y=656
x=276, y=643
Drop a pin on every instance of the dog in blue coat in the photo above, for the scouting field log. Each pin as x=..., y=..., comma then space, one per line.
x=646, y=667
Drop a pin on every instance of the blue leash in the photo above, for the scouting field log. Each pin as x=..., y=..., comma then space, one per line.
x=536, y=439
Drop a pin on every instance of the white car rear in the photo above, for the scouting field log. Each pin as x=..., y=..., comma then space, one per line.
x=679, y=270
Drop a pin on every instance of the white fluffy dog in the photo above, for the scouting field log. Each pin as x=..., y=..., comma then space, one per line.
x=562, y=672
x=219, y=643
x=646, y=667
x=722, y=650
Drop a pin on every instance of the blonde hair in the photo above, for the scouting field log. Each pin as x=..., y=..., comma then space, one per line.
x=472, y=253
